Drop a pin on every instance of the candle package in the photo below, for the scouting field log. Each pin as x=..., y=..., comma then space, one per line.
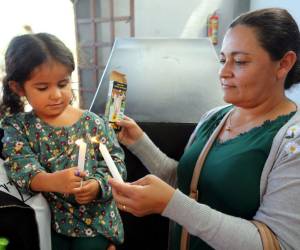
x=115, y=104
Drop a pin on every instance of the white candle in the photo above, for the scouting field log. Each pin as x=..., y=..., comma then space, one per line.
x=109, y=162
x=81, y=156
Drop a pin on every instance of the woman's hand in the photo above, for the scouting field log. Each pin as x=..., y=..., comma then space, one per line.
x=145, y=196
x=130, y=131
x=88, y=192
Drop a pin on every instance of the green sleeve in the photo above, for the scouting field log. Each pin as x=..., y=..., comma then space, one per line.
x=21, y=162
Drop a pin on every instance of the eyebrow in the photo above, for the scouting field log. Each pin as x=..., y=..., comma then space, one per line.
x=46, y=83
x=234, y=53
x=40, y=83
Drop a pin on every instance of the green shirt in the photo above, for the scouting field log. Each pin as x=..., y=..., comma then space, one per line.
x=32, y=146
x=230, y=178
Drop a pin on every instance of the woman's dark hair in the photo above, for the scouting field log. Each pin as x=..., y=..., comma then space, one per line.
x=277, y=33
x=24, y=54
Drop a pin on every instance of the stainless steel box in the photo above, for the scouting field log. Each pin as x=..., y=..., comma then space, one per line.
x=171, y=83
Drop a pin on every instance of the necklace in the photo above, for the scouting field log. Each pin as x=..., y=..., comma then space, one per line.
x=229, y=128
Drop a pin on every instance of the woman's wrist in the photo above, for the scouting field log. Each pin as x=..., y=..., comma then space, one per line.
x=168, y=194
x=137, y=142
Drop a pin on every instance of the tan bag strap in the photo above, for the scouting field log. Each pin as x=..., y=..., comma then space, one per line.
x=269, y=240
x=202, y=157
x=184, y=242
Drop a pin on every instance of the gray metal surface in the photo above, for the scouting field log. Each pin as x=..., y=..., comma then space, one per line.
x=169, y=80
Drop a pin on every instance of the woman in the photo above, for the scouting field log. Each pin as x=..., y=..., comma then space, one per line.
x=252, y=171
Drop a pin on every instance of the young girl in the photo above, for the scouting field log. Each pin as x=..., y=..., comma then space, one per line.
x=40, y=149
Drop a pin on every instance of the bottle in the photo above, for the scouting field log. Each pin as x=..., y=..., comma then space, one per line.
x=212, y=27
x=3, y=243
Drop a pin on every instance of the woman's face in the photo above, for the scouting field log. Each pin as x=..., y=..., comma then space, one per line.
x=247, y=73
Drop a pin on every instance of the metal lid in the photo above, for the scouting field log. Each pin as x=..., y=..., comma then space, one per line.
x=169, y=80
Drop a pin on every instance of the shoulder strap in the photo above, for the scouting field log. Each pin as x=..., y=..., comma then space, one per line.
x=202, y=157
x=268, y=238
x=203, y=119
x=184, y=243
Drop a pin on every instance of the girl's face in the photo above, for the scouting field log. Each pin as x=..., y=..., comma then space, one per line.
x=48, y=90
x=248, y=75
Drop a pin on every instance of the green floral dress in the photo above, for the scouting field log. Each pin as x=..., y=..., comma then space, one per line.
x=32, y=146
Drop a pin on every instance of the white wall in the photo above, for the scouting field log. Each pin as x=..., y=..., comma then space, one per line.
x=293, y=6
x=157, y=18
x=182, y=18
x=42, y=16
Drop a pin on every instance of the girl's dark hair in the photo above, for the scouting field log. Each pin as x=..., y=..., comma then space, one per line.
x=24, y=54
x=277, y=33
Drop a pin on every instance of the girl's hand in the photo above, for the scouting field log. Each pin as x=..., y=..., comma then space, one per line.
x=68, y=181
x=111, y=247
x=145, y=196
x=88, y=192
x=130, y=131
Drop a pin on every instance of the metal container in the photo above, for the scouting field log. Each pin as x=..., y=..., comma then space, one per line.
x=171, y=83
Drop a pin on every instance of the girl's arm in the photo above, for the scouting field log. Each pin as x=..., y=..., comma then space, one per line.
x=64, y=181
x=21, y=163
x=23, y=167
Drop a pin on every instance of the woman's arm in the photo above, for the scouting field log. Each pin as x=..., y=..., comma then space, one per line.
x=280, y=203
x=154, y=159
x=151, y=156
x=219, y=230
x=279, y=209
x=151, y=195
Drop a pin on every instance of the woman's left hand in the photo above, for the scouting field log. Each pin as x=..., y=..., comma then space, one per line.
x=145, y=196
x=88, y=191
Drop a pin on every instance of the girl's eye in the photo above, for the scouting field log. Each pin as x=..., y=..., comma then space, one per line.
x=64, y=83
x=41, y=88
